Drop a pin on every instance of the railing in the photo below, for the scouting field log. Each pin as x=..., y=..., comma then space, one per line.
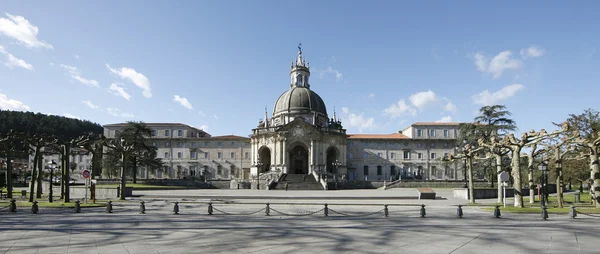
x=320, y=180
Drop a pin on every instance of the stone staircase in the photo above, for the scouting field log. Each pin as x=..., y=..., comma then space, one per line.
x=298, y=182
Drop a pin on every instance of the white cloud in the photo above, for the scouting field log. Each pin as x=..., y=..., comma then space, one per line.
x=19, y=28
x=215, y=117
x=137, y=78
x=203, y=127
x=76, y=56
x=371, y=96
x=76, y=74
x=532, y=51
x=338, y=75
x=12, y=104
x=71, y=116
x=117, y=112
x=498, y=64
x=182, y=101
x=445, y=119
x=119, y=91
x=486, y=98
x=12, y=61
x=423, y=99
x=90, y=104
x=450, y=107
x=398, y=109
x=358, y=121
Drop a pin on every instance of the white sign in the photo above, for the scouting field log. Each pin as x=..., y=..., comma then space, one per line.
x=504, y=176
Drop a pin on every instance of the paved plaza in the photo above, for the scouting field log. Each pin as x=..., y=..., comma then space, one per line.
x=351, y=227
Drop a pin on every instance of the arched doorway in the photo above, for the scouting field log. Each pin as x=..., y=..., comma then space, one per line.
x=298, y=160
x=264, y=159
x=332, y=156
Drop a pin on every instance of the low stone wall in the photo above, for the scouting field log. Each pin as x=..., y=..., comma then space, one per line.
x=220, y=184
x=352, y=185
x=436, y=184
x=483, y=193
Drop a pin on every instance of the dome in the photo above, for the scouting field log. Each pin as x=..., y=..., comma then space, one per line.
x=299, y=100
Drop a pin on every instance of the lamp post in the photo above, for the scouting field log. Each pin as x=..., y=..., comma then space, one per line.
x=259, y=165
x=52, y=165
x=543, y=166
x=336, y=164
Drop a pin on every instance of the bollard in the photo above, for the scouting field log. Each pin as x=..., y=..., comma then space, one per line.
x=77, y=207
x=238, y=186
x=176, y=208
x=423, y=211
x=267, y=210
x=34, y=208
x=12, y=206
x=497, y=212
x=385, y=211
x=459, y=211
x=544, y=213
x=210, y=209
x=142, y=207
x=573, y=212
x=109, y=207
x=326, y=210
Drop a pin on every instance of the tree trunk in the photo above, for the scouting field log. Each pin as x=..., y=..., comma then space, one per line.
x=559, y=189
x=63, y=166
x=471, y=187
x=40, y=164
x=595, y=175
x=9, y=181
x=531, y=185
x=498, y=158
x=122, y=194
x=67, y=177
x=33, y=173
x=134, y=168
x=516, y=174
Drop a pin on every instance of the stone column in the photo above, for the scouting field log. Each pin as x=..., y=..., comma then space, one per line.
x=311, y=155
x=274, y=155
x=284, y=159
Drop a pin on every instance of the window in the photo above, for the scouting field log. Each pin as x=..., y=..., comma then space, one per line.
x=434, y=171
x=166, y=144
x=206, y=144
x=419, y=156
x=432, y=145
x=153, y=133
x=406, y=155
x=193, y=155
x=392, y=155
x=154, y=144
x=393, y=170
x=432, y=156
x=166, y=155
x=179, y=133
x=205, y=155
x=220, y=155
x=418, y=133
x=193, y=144
x=379, y=170
x=432, y=133
x=366, y=155
x=419, y=145
x=179, y=155
x=233, y=155
x=246, y=155
x=378, y=155
x=219, y=170
x=445, y=145
x=179, y=144
x=167, y=133
x=366, y=170
x=232, y=144
x=219, y=144
x=445, y=133
x=80, y=158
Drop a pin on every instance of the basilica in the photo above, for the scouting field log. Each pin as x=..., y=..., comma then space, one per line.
x=300, y=138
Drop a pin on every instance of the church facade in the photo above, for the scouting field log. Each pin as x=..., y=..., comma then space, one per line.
x=301, y=138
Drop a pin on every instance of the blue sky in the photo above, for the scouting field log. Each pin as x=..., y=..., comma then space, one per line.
x=382, y=64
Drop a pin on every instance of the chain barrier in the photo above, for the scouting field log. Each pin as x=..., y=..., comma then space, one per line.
x=5, y=208
x=355, y=214
x=587, y=214
x=237, y=214
x=297, y=214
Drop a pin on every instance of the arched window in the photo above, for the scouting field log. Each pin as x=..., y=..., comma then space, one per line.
x=299, y=80
x=306, y=80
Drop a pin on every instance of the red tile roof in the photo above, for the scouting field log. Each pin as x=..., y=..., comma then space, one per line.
x=230, y=137
x=436, y=123
x=377, y=136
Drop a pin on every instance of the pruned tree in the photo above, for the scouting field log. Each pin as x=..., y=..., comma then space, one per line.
x=586, y=129
x=468, y=152
x=12, y=146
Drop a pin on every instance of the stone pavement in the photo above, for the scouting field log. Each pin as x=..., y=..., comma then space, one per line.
x=193, y=231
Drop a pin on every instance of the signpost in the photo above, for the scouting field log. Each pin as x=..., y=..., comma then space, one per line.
x=86, y=174
x=504, y=177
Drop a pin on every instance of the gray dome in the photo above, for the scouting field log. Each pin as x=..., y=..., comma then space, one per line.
x=299, y=100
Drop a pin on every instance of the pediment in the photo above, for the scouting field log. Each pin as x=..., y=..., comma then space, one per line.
x=298, y=128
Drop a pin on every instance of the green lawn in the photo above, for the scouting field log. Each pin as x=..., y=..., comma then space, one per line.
x=15, y=192
x=145, y=186
x=584, y=198
x=555, y=210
